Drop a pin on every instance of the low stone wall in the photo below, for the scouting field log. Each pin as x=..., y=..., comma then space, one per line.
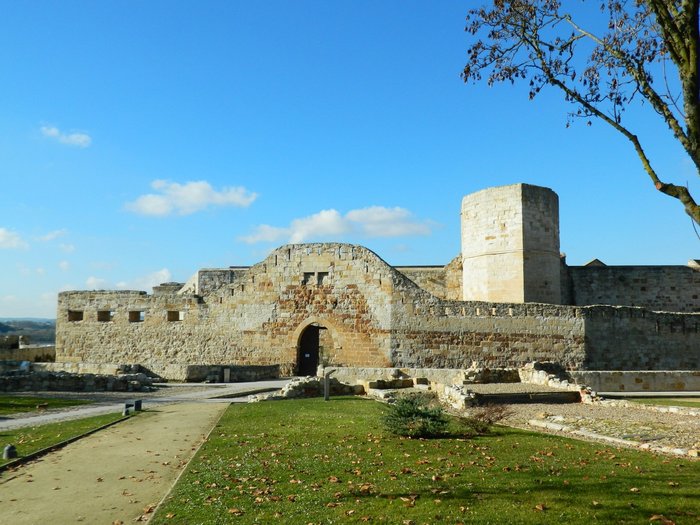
x=444, y=376
x=192, y=373
x=65, y=382
x=231, y=374
x=639, y=381
x=353, y=375
x=78, y=368
x=29, y=353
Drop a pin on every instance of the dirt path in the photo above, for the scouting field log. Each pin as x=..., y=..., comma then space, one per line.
x=113, y=476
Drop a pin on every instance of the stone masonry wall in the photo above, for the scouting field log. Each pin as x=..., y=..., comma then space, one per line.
x=627, y=338
x=257, y=320
x=663, y=288
x=374, y=317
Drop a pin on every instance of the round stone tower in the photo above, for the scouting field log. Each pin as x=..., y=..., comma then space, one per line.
x=510, y=245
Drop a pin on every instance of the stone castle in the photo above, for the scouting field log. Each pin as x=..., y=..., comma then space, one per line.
x=508, y=299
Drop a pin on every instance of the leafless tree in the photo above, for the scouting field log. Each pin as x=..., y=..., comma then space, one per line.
x=627, y=50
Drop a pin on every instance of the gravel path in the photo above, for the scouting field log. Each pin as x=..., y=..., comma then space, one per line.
x=619, y=419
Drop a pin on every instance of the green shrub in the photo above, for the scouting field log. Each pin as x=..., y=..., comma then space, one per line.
x=415, y=416
x=480, y=420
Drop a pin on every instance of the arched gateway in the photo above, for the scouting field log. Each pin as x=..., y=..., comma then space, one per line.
x=314, y=345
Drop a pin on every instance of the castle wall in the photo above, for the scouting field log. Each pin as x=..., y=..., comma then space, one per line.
x=662, y=288
x=451, y=334
x=374, y=317
x=256, y=320
x=627, y=338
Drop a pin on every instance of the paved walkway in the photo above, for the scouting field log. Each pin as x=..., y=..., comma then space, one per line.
x=113, y=476
x=170, y=394
x=121, y=473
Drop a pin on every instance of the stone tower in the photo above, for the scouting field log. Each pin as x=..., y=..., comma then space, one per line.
x=510, y=245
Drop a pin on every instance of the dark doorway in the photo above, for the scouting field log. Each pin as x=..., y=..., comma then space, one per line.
x=307, y=358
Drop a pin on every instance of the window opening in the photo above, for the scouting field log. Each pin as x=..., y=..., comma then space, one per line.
x=75, y=315
x=137, y=316
x=105, y=316
x=175, y=315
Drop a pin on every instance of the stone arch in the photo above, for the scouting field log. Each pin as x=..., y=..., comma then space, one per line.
x=315, y=341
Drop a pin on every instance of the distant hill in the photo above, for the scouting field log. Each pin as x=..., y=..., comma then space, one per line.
x=40, y=331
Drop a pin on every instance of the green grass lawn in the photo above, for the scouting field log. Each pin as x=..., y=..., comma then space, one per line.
x=31, y=439
x=15, y=404
x=692, y=402
x=310, y=461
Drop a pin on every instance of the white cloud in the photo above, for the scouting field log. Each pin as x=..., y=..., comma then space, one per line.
x=323, y=223
x=148, y=281
x=374, y=221
x=188, y=198
x=40, y=271
x=64, y=266
x=265, y=233
x=144, y=282
x=81, y=140
x=11, y=240
x=377, y=221
x=53, y=235
x=95, y=283
x=66, y=248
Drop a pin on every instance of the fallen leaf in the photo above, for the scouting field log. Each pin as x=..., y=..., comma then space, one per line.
x=634, y=489
x=663, y=519
x=541, y=507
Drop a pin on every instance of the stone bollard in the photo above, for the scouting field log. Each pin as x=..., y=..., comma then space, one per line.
x=125, y=412
x=137, y=405
x=10, y=452
x=326, y=384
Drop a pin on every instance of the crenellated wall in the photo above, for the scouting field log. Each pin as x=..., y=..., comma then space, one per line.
x=374, y=316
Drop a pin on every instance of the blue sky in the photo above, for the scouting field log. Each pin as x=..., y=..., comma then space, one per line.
x=141, y=141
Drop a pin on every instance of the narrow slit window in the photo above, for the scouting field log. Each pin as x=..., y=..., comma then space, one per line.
x=137, y=316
